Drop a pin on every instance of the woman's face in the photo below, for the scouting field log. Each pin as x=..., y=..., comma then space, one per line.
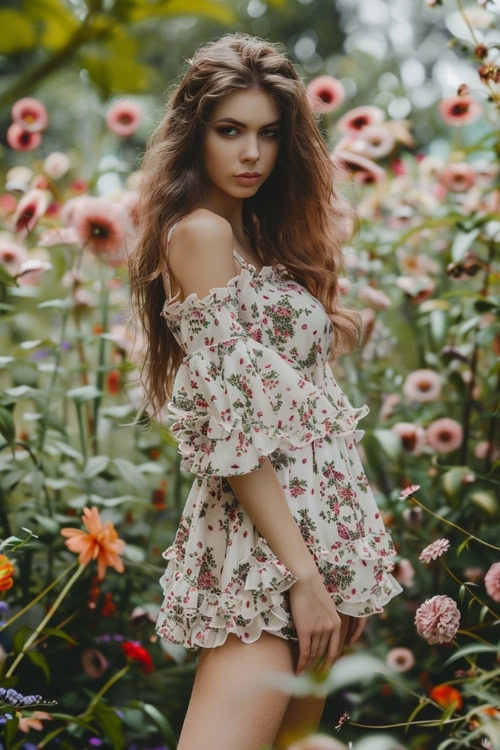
x=242, y=136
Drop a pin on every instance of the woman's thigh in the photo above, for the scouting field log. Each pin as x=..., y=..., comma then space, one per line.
x=232, y=705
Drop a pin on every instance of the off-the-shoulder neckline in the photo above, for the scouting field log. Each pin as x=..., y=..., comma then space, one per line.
x=213, y=294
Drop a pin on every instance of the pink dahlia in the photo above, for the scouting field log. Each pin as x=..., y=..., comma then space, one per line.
x=459, y=110
x=124, y=117
x=434, y=550
x=437, y=619
x=492, y=581
x=359, y=118
x=444, y=435
x=30, y=114
x=423, y=385
x=325, y=93
x=22, y=140
x=400, y=659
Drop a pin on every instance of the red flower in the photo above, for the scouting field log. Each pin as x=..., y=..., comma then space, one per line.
x=445, y=695
x=109, y=607
x=135, y=652
x=114, y=381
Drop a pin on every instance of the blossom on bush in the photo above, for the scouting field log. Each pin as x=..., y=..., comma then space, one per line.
x=423, y=385
x=135, y=652
x=325, y=93
x=458, y=177
x=360, y=117
x=459, y=110
x=6, y=573
x=444, y=435
x=437, y=619
x=124, y=117
x=445, y=695
x=434, y=550
x=30, y=114
x=400, y=659
x=492, y=581
x=22, y=140
x=101, y=542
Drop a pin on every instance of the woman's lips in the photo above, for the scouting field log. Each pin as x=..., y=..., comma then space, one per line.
x=247, y=180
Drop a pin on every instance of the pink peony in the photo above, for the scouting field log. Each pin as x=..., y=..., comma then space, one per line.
x=124, y=117
x=444, y=435
x=400, y=659
x=437, y=619
x=30, y=114
x=22, y=140
x=325, y=93
x=423, y=385
x=492, y=581
x=459, y=110
x=434, y=550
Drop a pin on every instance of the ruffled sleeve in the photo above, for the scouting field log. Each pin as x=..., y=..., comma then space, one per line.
x=234, y=400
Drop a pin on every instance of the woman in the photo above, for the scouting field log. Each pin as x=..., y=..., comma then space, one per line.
x=281, y=554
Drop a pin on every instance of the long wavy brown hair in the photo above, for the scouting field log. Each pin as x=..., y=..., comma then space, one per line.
x=296, y=218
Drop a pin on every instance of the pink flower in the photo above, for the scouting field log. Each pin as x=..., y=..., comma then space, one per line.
x=59, y=236
x=22, y=140
x=423, y=385
x=410, y=490
x=102, y=225
x=437, y=619
x=325, y=93
x=458, y=177
x=124, y=117
x=412, y=436
x=30, y=114
x=31, y=270
x=374, y=297
x=492, y=581
x=29, y=210
x=404, y=572
x=400, y=659
x=12, y=255
x=413, y=516
x=364, y=171
x=94, y=663
x=434, y=550
x=360, y=117
x=418, y=288
x=444, y=435
x=373, y=141
x=459, y=110
x=56, y=164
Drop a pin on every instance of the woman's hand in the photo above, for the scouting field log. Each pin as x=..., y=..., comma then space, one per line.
x=316, y=621
x=356, y=627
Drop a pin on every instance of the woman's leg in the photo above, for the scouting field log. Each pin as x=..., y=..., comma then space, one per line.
x=303, y=715
x=231, y=706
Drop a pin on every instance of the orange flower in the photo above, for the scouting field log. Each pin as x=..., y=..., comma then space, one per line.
x=33, y=722
x=101, y=542
x=6, y=573
x=445, y=695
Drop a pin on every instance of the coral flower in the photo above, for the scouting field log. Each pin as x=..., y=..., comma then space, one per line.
x=22, y=140
x=492, y=581
x=444, y=435
x=459, y=110
x=123, y=118
x=325, y=93
x=30, y=114
x=423, y=385
x=359, y=118
x=445, y=695
x=458, y=177
x=6, y=573
x=101, y=542
x=33, y=722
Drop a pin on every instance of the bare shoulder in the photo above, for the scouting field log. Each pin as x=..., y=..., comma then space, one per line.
x=200, y=252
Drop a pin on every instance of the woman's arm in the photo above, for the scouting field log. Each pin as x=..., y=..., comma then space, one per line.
x=261, y=495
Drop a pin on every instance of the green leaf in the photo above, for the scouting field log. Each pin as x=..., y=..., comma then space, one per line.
x=130, y=473
x=162, y=723
x=389, y=442
x=16, y=32
x=84, y=393
x=94, y=466
x=48, y=524
x=463, y=545
x=447, y=712
x=485, y=500
x=471, y=648
x=7, y=425
x=453, y=479
x=437, y=325
x=420, y=705
x=139, y=10
x=40, y=661
x=60, y=304
x=59, y=634
x=114, y=73
x=10, y=730
x=56, y=21
x=111, y=724
x=462, y=242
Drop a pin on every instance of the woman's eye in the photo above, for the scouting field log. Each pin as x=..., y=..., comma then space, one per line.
x=272, y=133
x=223, y=130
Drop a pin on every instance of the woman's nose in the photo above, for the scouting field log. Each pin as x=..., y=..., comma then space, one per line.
x=250, y=149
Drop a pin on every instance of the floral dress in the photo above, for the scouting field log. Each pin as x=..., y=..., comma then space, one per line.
x=255, y=382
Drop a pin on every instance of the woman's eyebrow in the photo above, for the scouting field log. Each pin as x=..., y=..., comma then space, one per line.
x=242, y=124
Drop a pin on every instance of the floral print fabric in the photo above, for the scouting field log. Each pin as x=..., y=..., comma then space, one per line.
x=255, y=382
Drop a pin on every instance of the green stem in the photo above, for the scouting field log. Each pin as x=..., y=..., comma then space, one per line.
x=461, y=583
x=474, y=636
x=450, y=523
x=37, y=597
x=46, y=619
x=428, y=722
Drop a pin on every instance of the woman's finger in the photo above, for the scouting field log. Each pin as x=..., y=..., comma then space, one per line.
x=314, y=653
